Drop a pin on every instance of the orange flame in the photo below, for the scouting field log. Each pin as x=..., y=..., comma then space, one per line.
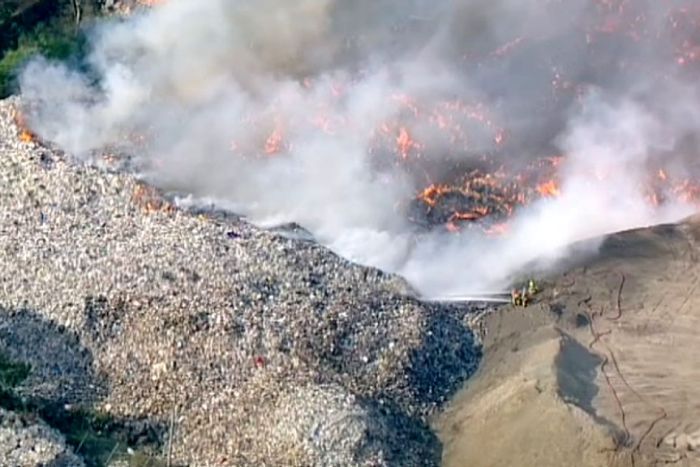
x=273, y=144
x=431, y=194
x=148, y=199
x=405, y=143
x=25, y=134
x=474, y=215
x=549, y=189
x=653, y=199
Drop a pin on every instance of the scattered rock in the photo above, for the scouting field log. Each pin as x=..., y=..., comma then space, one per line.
x=30, y=442
x=331, y=427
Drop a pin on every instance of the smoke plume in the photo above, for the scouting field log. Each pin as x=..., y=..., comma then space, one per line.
x=335, y=114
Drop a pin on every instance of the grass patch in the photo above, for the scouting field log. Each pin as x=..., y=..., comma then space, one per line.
x=12, y=374
x=99, y=438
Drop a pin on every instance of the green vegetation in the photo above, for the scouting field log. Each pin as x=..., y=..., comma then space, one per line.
x=98, y=438
x=48, y=27
x=11, y=374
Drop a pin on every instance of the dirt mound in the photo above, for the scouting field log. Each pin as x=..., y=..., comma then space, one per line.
x=602, y=370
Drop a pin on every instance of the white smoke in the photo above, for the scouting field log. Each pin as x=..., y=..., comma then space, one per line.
x=211, y=84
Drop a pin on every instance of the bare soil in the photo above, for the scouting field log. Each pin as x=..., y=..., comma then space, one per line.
x=603, y=370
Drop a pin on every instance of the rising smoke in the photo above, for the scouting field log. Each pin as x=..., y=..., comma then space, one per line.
x=290, y=112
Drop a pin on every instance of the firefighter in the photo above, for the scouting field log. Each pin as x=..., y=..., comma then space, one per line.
x=524, y=293
x=532, y=288
x=516, y=297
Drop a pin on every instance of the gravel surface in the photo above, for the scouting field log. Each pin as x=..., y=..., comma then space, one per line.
x=268, y=350
x=28, y=442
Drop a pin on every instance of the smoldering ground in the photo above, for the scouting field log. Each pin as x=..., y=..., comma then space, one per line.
x=333, y=114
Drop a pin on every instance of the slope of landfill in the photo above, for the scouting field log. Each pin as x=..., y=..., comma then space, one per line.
x=221, y=343
x=602, y=370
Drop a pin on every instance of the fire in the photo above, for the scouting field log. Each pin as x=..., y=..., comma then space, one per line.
x=486, y=195
x=653, y=199
x=148, y=199
x=431, y=194
x=687, y=191
x=481, y=198
x=476, y=214
x=273, y=144
x=405, y=143
x=548, y=189
x=26, y=135
x=488, y=198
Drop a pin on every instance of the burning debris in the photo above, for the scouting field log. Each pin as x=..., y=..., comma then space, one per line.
x=26, y=135
x=150, y=200
x=484, y=199
x=369, y=121
x=487, y=200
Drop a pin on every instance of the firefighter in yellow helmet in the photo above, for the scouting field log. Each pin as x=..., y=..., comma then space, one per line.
x=523, y=295
x=532, y=288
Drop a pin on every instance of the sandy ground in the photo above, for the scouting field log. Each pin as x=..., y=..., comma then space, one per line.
x=603, y=370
